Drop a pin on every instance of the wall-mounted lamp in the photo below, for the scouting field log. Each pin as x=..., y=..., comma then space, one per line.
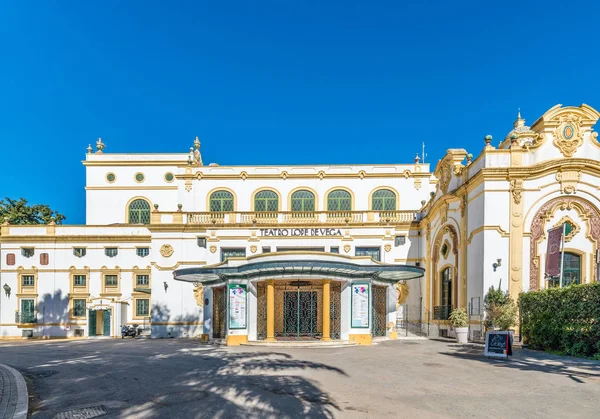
x=497, y=264
x=6, y=290
x=166, y=285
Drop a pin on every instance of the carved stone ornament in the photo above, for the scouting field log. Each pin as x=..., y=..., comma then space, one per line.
x=568, y=181
x=445, y=176
x=387, y=247
x=253, y=248
x=166, y=250
x=347, y=248
x=213, y=249
x=199, y=294
x=516, y=188
x=568, y=135
x=402, y=288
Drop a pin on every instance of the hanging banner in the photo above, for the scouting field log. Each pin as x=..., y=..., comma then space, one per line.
x=361, y=302
x=237, y=306
x=555, y=236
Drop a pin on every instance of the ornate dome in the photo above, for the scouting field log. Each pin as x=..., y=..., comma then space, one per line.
x=519, y=131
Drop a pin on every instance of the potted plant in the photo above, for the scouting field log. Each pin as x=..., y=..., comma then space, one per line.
x=460, y=322
x=500, y=310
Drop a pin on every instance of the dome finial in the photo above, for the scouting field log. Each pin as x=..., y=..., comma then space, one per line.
x=520, y=121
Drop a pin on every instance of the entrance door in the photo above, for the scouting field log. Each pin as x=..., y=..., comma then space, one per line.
x=218, y=314
x=106, y=320
x=300, y=314
x=379, y=311
x=91, y=323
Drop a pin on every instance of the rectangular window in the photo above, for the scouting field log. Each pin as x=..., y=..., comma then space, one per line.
x=27, y=252
x=111, y=280
x=28, y=311
x=374, y=252
x=111, y=252
x=142, y=307
x=79, y=280
x=142, y=251
x=400, y=241
x=142, y=280
x=202, y=242
x=232, y=253
x=334, y=249
x=266, y=249
x=28, y=280
x=79, y=252
x=79, y=307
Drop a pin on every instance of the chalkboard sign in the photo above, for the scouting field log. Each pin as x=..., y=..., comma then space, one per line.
x=498, y=344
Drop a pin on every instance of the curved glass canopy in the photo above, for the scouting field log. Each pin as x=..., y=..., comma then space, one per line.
x=300, y=268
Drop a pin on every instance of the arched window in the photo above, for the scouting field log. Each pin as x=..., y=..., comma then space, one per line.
x=339, y=200
x=221, y=201
x=571, y=269
x=384, y=200
x=139, y=212
x=266, y=201
x=303, y=201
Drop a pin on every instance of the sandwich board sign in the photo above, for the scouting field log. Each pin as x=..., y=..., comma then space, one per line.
x=498, y=344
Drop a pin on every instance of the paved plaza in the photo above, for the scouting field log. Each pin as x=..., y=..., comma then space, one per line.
x=187, y=379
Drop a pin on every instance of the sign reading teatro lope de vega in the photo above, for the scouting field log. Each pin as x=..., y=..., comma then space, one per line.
x=308, y=232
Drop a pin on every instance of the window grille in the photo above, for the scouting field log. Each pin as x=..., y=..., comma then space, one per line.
x=202, y=242
x=303, y=201
x=79, y=252
x=111, y=280
x=28, y=280
x=400, y=241
x=339, y=200
x=221, y=201
x=142, y=307
x=139, y=212
x=231, y=253
x=142, y=280
x=384, y=200
x=142, y=251
x=111, y=252
x=79, y=280
x=266, y=201
x=79, y=308
x=374, y=252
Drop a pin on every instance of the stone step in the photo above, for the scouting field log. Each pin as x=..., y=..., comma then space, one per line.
x=301, y=344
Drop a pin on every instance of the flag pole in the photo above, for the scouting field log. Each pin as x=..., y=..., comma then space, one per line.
x=562, y=254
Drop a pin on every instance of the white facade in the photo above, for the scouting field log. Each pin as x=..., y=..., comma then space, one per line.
x=465, y=216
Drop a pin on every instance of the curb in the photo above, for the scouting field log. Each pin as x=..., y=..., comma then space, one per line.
x=22, y=404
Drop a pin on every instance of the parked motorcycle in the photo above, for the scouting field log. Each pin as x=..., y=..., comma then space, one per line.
x=129, y=330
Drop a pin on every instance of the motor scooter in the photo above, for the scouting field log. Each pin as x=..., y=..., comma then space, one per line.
x=129, y=330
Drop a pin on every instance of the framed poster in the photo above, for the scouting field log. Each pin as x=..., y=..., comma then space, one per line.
x=498, y=344
x=361, y=304
x=237, y=306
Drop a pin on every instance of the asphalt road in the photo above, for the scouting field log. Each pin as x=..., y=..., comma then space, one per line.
x=187, y=379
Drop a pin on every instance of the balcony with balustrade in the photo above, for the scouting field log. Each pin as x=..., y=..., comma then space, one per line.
x=291, y=218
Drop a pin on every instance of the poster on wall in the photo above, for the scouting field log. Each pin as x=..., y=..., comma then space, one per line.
x=237, y=306
x=360, y=305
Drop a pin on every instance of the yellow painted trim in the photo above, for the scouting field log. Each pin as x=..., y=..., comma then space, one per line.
x=361, y=339
x=112, y=289
x=171, y=268
x=110, y=173
x=303, y=188
x=379, y=188
x=221, y=188
x=253, y=197
x=139, y=181
x=24, y=289
x=270, y=312
x=326, y=310
x=141, y=271
x=478, y=230
x=236, y=340
x=165, y=177
x=340, y=188
x=76, y=239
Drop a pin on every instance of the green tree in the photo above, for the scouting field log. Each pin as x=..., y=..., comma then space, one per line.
x=18, y=211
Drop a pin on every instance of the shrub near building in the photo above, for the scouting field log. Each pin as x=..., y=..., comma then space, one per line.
x=563, y=319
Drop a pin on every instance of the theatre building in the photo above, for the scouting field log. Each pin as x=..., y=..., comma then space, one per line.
x=327, y=252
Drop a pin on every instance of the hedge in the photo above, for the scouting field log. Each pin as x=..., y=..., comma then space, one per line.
x=566, y=320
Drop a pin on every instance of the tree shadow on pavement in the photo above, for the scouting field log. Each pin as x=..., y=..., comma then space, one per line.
x=192, y=382
x=526, y=360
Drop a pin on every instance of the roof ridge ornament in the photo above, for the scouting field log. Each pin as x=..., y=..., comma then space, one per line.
x=195, y=156
x=100, y=146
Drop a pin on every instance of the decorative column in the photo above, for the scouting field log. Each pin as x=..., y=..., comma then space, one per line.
x=326, y=310
x=270, y=312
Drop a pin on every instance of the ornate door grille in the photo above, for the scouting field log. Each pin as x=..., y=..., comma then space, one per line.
x=335, y=308
x=261, y=311
x=219, y=313
x=106, y=322
x=379, y=311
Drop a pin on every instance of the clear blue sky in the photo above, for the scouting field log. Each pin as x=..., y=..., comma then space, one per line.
x=276, y=82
